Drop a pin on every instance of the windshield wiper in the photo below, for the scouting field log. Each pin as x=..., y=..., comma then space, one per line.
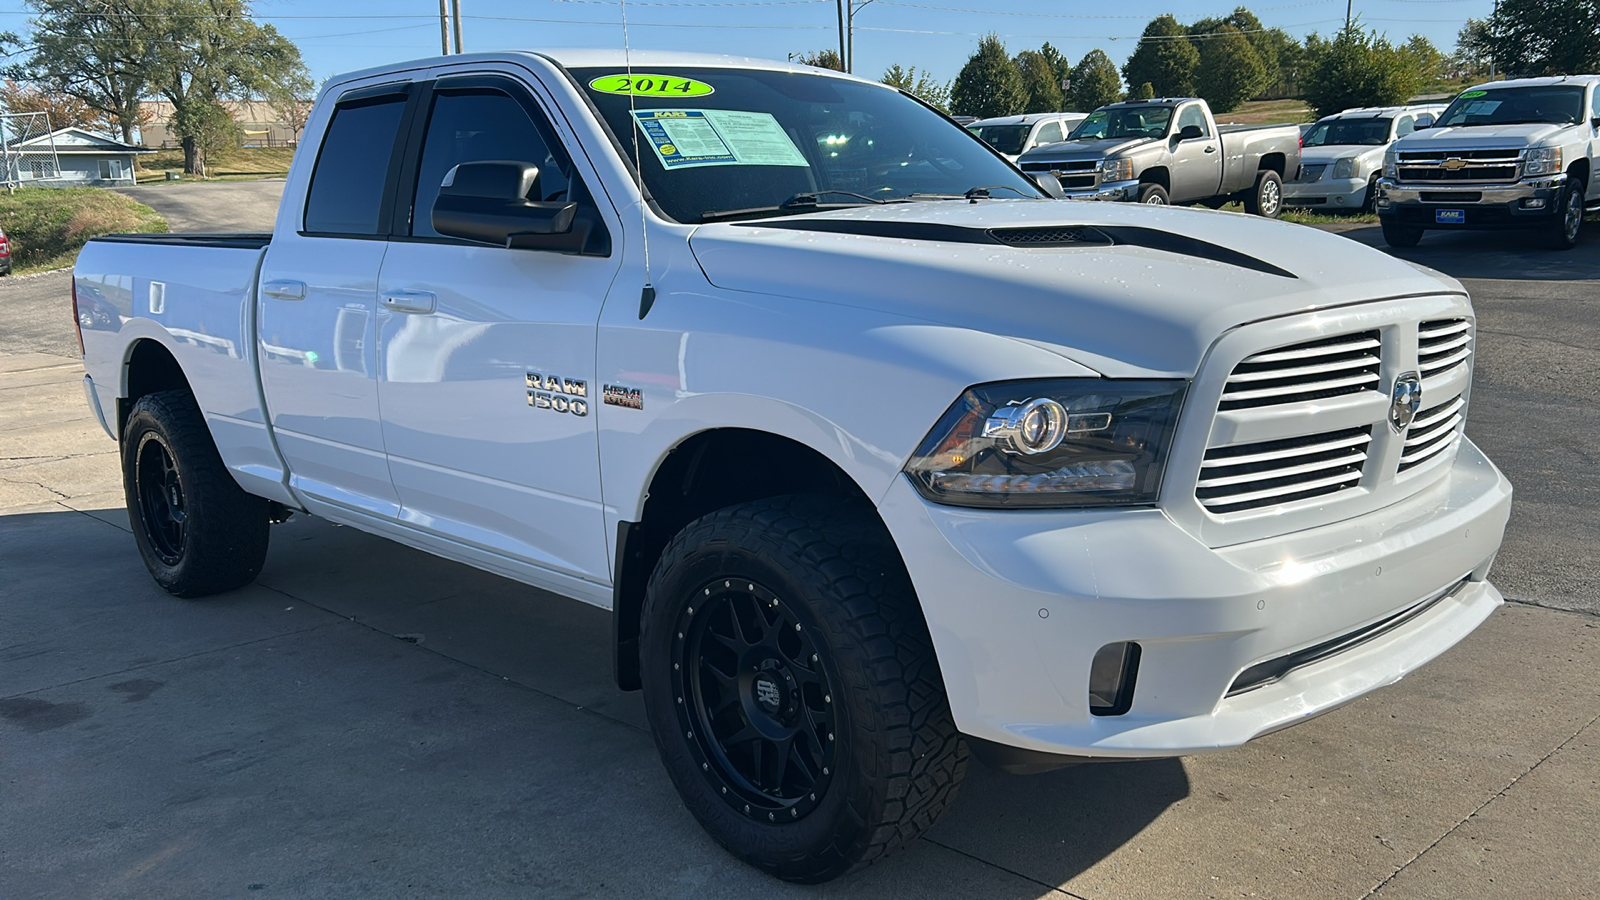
x=982, y=193
x=808, y=201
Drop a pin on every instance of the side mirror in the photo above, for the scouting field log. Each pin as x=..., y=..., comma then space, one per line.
x=1190, y=133
x=1048, y=183
x=1595, y=122
x=486, y=202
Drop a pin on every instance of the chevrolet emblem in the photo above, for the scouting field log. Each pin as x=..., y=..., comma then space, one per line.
x=1452, y=164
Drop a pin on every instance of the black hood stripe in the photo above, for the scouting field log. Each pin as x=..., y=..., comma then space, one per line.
x=1031, y=237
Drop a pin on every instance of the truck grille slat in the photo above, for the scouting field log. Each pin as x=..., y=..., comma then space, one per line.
x=1433, y=416
x=1442, y=345
x=1266, y=473
x=1433, y=431
x=1311, y=370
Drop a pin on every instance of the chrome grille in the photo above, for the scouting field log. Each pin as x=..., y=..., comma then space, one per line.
x=1075, y=175
x=1313, y=370
x=1433, y=431
x=1250, y=476
x=1455, y=166
x=1442, y=345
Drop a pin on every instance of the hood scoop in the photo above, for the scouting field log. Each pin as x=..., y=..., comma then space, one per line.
x=1033, y=237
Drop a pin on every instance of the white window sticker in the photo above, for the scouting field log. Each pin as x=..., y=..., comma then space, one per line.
x=1480, y=108
x=685, y=138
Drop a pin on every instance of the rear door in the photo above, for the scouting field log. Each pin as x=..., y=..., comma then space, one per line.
x=487, y=355
x=317, y=311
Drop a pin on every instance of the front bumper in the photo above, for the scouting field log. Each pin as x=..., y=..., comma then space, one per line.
x=1524, y=204
x=1329, y=193
x=1018, y=602
x=1124, y=191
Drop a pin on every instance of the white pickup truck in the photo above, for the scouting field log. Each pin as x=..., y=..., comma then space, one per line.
x=879, y=456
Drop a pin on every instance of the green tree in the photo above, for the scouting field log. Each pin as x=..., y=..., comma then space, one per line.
x=1358, y=68
x=290, y=97
x=1060, y=65
x=62, y=110
x=822, y=59
x=211, y=50
x=1546, y=37
x=100, y=52
x=1040, y=81
x=989, y=84
x=1426, y=59
x=1146, y=91
x=1290, y=56
x=1095, y=82
x=1474, y=48
x=919, y=84
x=208, y=127
x=1165, y=58
x=1230, y=71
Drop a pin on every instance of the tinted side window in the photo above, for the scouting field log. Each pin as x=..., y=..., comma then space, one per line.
x=1596, y=103
x=346, y=192
x=1049, y=133
x=1404, y=127
x=478, y=126
x=1192, y=115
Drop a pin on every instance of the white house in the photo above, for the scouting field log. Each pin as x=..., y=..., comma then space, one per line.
x=84, y=158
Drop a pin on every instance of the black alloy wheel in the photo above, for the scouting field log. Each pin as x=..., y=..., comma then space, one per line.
x=756, y=701
x=160, y=499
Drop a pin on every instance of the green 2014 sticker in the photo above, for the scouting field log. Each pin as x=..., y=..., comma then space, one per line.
x=640, y=85
x=1470, y=94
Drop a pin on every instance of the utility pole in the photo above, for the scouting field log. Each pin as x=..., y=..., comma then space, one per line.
x=844, y=30
x=849, y=60
x=1347, y=5
x=444, y=28
x=455, y=22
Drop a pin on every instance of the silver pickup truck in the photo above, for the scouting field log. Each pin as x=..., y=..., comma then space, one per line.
x=1171, y=151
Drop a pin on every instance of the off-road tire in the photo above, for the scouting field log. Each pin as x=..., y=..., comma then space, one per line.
x=221, y=538
x=1398, y=235
x=1562, y=233
x=1154, y=195
x=1266, y=198
x=897, y=757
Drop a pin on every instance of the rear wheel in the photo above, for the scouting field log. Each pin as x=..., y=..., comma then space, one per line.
x=1153, y=195
x=1563, y=232
x=1266, y=198
x=198, y=532
x=1401, y=236
x=792, y=687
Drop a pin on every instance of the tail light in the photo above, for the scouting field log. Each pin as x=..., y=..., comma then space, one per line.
x=77, y=323
x=5, y=246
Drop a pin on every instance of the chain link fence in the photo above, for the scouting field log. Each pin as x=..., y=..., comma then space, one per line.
x=29, y=152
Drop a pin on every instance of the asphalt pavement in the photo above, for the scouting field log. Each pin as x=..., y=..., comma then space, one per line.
x=368, y=720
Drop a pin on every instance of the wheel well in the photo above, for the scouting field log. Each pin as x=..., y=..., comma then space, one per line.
x=1580, y=171
x=709, y=471
x=151, y=368
x=1273, y=161
x=1156, y=175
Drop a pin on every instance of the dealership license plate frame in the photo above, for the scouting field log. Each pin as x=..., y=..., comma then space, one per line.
x=1450, y=217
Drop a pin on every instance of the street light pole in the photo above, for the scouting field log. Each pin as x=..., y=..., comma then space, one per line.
x=455, y=21
x=444, y=28
x=844, y=29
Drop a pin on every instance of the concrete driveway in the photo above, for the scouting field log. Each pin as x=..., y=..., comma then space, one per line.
x=213, y=205
x=368, y=720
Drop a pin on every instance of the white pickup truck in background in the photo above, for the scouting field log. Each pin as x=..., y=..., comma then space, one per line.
x=878, y=455
x=1514, y=155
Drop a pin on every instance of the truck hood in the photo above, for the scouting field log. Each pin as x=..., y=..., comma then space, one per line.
x=1076, y=150
x=1126, y=290
x=1480, y=137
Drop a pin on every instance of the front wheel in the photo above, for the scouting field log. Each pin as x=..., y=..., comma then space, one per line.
x=1563, y=233
x=198, y=531
x=1401, y=236
x=1266, y=198
x=1153, y=195
x=792, y=687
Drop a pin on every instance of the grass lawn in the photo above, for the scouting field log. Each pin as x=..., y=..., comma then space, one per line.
x=47, y=226
x=237, y=164
x=1260, y=112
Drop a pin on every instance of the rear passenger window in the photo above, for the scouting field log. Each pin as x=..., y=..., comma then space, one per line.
x=478, y=126
x=1049, y=133
x=346, y=194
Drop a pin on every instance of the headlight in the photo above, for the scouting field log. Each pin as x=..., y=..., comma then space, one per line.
x=1116, y=170
x=1346, y=167
x=1072, y=442
x=1542, y=161
x=1391, y=164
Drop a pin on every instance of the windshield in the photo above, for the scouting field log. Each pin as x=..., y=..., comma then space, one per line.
x=1005, y=138
x=1124, y=122
x=713, y=140
x=1557, y=104
x=1330, y=132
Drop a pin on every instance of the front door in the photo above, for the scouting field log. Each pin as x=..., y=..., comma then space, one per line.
x=317, y=331
x=1196, y=163
x=488, y=354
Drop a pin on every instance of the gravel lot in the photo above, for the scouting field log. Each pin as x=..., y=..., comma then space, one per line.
x=368, y=720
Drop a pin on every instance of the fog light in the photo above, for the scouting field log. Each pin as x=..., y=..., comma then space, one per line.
x=1111, y=677
x=1339, y=200
x=1533, y=203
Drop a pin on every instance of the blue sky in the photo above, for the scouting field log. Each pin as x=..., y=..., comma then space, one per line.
x=936, y=35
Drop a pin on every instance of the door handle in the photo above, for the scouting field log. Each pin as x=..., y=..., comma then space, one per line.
x=1211, y=149
x=410, y=301
x=285, y=290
